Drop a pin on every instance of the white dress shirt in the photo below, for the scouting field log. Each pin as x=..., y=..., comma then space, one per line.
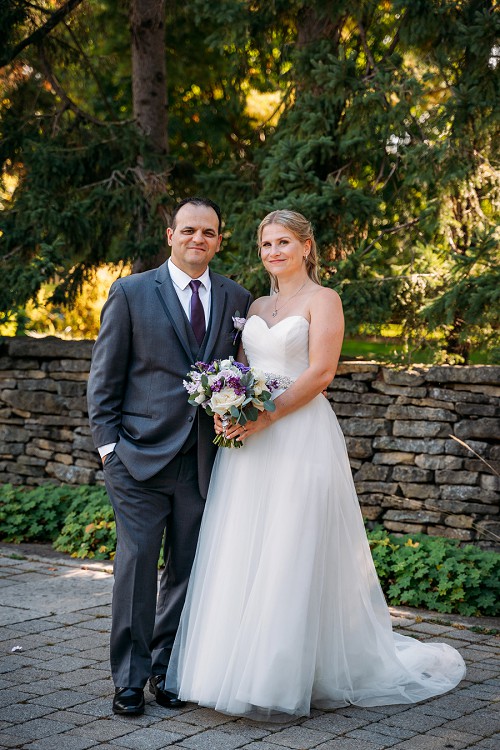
x=180, y=281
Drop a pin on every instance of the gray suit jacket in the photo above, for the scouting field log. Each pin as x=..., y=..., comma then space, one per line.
x=144, y=349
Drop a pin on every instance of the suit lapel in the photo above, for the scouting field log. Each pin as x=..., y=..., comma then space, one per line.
x=217, y=310
x=173, y=308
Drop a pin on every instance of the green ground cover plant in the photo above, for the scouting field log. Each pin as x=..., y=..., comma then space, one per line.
x=78, y=520
x=89, y=531
x=436, y=573
x=417, y=571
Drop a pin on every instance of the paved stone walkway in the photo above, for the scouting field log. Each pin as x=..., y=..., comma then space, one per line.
x=55, y=688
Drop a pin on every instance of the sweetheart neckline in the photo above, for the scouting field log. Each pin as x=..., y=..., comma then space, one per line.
x=270, y=328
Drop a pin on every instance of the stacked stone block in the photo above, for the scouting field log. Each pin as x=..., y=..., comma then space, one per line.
x=411, y=476
x=44, y=430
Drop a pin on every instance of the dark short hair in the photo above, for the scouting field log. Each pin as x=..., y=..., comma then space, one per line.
x=197, y=201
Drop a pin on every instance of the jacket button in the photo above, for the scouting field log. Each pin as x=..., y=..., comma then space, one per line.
x=190, y=419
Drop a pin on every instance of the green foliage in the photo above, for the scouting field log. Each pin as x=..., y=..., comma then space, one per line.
x=436, y=573
x=78, y=520
x=388, y=146
x=33, y=514
x=385, y=137
x=89, y=530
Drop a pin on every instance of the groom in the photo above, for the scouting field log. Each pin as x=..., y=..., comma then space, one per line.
x=156, y=449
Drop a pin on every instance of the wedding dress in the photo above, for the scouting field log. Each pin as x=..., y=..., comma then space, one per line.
x=284, y=610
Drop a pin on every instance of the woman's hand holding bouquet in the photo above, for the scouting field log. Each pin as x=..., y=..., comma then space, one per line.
x=232, y=390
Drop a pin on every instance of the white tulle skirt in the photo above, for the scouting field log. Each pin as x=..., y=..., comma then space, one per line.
x=284, y=610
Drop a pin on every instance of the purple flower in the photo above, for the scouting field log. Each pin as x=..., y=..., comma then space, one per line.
x=239, y=324
x=217, y=385
x=241, y=367
x=235, y=384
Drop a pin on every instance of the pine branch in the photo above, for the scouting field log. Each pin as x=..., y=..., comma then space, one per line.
x=390, y=230
x=39, y=34
x=91, y=70
x=69, y=103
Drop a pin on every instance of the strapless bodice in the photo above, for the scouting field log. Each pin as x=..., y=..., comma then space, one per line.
x=282, y=348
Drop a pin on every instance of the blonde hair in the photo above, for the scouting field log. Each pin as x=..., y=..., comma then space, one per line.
x=302, y=229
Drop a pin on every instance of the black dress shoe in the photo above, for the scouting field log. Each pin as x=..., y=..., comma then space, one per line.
x=128, y=701
x=164, y=697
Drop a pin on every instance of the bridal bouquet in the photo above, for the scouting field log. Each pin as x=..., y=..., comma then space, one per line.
x=228, y=388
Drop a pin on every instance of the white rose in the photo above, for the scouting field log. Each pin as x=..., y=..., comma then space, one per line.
x=260, y=382
x=221, y=402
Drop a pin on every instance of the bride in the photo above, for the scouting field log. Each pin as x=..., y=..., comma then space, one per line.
x=284, y=610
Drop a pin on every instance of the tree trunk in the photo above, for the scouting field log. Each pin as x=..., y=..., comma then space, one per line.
x=149, y=87
x=149, y=95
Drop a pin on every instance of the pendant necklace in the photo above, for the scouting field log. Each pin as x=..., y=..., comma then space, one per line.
x=276, y=310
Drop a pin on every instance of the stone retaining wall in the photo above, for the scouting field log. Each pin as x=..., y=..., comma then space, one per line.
x=410, y=474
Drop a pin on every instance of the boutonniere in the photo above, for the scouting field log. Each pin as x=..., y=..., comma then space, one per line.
x=239, y=324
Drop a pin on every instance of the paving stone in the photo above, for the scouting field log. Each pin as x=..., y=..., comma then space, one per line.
x=10, y=740
x=248, y=728
x=61, y=699
x=102, y=625
x=64, y=742
x=401, y=733
x=20, y=712
x=91, y=640
x=361, y=714
x=147, y=739
x=102, y=687
x=153, y=709
x=299, y=737
x=344, y=743
x=63, y=672
x=334, y=723
x=460, y=739
x=215, y=739
x=205, y=717
x=482, y=692
x=414, y=719
x=389, y=710
x=65, y=664
x=97, y=707
x=188, y=730
x=426, y=742
x=475, y=674
x=367, y=734
x=471, y=637
x=77, y=678
x=36, y=626
x=104, y=729
x=452, y=706
x=487, y=721
x=432, y=628
x=39, y=728
x=70, y=618
x=6, y=634
x=96, y=654
x=9, y=664
x=11, y=695
x=490, y=743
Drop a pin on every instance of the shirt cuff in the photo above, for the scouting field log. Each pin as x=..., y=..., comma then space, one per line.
x=105, y=449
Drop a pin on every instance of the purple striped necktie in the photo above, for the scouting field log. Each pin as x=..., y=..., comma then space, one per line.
x=196, y=312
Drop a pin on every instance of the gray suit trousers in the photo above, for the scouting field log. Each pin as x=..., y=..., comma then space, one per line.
x=171, y=507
